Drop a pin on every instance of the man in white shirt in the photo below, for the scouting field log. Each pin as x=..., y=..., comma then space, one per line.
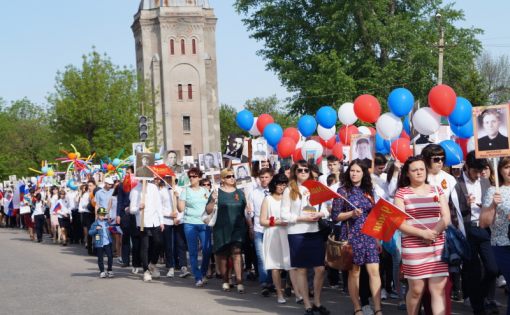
x=334, y=167
x=255, y=203
x=149, y=205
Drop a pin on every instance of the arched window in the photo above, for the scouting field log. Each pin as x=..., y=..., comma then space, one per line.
x=183, y=47
x=190, y=92
x=179, y=91
x=172, y=47
x=194, y=46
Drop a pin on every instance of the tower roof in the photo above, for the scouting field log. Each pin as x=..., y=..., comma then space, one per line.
x=153, y=4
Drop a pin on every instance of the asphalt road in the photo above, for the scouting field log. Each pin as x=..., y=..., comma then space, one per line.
x=51, y=279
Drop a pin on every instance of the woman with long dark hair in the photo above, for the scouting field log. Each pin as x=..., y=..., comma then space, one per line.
x=423, y=235
x=358, y=189
x=306, y=243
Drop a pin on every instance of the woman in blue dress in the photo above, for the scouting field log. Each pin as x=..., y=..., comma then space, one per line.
x=359, y=191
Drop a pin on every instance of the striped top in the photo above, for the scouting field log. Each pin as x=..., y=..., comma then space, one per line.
x=419, y=260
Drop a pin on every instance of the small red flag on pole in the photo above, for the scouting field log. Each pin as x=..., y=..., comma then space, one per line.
x=384, y=219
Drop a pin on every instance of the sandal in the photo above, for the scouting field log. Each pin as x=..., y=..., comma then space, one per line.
x=357, y=311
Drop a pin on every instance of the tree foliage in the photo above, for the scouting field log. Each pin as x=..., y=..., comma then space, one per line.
x=96, y=107
x=495, y=73
x=329, y=52
x=27, y=138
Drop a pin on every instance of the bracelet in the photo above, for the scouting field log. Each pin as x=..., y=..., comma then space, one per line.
x=271, y=221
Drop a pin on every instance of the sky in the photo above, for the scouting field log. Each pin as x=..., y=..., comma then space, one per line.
x=39, y=38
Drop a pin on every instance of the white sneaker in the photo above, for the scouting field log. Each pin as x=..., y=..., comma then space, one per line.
x=170, y=273
x=102, y=275
x=135, y=270
x=147, y=276
x=154, y=271
x=184, y=272
x=281, y=301
x=110, y=274
x=500, y=282
x=119, y=261
x=199, y=284
x=384, y=294
x=367, y=310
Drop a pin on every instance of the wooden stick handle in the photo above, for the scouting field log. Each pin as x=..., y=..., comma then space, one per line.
x=496, y=173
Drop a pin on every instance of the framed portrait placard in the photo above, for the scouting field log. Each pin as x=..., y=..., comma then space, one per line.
x=242, y=174
x=210, y=162
x=491, y=125
x=142, y=163
x=363, y=148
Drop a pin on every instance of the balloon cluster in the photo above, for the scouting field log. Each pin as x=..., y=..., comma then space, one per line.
x=392, y=129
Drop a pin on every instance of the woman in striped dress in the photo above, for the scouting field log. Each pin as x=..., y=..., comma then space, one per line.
x=422, y=247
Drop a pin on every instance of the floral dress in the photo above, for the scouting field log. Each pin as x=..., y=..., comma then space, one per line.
x=364, y=247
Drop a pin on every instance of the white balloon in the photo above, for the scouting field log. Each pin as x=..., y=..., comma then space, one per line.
x=426, y=121
x=326, y=133
x=301, y=141
x=471, y=144
x=346, y=114
x=388, y=126
x=312, y=146
x=254, y=131
x=364, y=130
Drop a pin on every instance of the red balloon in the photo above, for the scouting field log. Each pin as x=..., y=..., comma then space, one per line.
x=367, y=108
x=463, y=145
x=337, y=151
x=346, y=132
x=442, y=99
x=328, y=143
x=286, y=147
x=401, y=149
x=297, y=155
x=263, y=121
x=372, y=131
x=292, y=133
x=404, y=135
x=110, y=167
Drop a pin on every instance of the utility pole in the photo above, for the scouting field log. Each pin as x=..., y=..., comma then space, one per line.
x=441, y=49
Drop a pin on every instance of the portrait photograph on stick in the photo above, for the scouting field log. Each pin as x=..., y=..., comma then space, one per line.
x=242, y=173
x=138, y=147
x=209, y=162
x=490, y=126
x=234, y=147
x=142, y=163
x=363, y=148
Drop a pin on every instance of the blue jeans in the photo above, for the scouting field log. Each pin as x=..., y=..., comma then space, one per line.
x=502, y=254
x=195, y=233
x=264, y=277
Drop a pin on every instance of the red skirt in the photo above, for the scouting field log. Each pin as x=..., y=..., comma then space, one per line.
x=27, y=220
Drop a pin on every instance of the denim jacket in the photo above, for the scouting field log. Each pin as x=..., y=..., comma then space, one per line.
x=98, y=241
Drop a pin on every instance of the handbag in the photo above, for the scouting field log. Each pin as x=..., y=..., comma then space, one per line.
x=24, y=210
x=339, y=253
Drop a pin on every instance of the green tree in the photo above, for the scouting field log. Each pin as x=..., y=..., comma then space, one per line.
x=494, y=73
x=28, y=138
x=96, y=107
x=329, y=52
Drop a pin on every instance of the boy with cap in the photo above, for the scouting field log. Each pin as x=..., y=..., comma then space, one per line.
x=102, y=239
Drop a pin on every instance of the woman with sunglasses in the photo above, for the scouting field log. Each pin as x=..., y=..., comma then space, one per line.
x=192, y=201
x=358, y=189
x=434, y=157
x=275, y=243
x=231, y=227
x=423, y=237
x=306, y=243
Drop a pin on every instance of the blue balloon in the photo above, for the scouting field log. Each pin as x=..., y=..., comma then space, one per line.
x=131, y=158
x=157, y=156
x=461, y=113
x=116, y=162
x=407, y=125
x=380, y=145
x=307, y=125
x=45, y=169
x=400, y=101
x=273, y=133
x=326, y=116
x=244, y=119
x=465, y=131
x=72, y=184
x=453, y=152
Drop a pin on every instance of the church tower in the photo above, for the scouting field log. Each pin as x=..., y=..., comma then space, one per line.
x=176, y=55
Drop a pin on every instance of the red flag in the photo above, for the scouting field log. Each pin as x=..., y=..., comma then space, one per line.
x=162, y=170
x=128, y=183
x=383, y=220
x=319, y=192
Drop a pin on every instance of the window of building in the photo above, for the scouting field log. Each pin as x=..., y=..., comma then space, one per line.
x=172, y=47
x=186, y=123
x=179, y=91
x=194, y=46
x=187, y=150
x=183, y=47
x=190, y=92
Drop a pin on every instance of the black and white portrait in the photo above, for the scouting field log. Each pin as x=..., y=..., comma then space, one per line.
x=138, y=147
x=259, y=149
x=188, y=162
x=210, y=161
x=142, y=163
x=242, y=173
x=173, y=158
x=363, y=148
x=234, y=147
x=490, y=124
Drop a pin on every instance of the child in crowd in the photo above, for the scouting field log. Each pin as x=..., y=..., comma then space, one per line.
x=102, y=240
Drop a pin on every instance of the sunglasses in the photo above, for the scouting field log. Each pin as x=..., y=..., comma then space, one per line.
x=208, y=185
x=437, y=159
x=229, y=176
x=303, y=170
x=193, y=176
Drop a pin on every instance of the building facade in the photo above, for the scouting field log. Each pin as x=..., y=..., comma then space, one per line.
x=176, y=55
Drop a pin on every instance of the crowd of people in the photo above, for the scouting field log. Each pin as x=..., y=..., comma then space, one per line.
x=269, y=230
